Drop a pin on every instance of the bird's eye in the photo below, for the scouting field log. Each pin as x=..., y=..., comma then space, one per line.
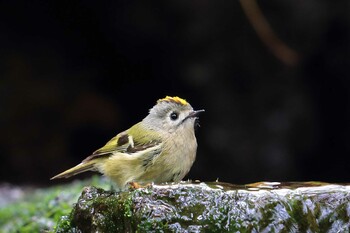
x=174, y=116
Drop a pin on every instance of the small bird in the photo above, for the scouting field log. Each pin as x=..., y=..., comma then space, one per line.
x=161, y=148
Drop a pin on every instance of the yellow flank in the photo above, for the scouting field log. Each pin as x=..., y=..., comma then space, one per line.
x=175, y=99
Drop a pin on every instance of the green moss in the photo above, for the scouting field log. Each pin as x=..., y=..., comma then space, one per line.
x=99, y=210
x=39, y=210
x=128, y=206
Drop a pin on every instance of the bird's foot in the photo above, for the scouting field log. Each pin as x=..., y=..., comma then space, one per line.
x=135, y=185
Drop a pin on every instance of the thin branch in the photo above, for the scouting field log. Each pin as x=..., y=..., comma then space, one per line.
x=264, y=31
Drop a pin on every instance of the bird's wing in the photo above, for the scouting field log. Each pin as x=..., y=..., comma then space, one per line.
x=127, y=142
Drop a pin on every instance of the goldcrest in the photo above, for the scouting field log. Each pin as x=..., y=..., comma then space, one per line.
x=161, y=148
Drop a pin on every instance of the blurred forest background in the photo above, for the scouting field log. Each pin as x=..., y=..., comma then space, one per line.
x=75, y=73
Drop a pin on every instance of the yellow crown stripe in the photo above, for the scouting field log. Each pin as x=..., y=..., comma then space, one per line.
x=175, y=99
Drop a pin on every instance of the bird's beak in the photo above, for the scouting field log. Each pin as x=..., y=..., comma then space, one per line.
x=195, y=113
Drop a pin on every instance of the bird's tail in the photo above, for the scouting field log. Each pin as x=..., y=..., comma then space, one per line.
x=81, y=167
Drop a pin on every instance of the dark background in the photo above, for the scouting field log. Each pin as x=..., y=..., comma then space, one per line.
x=75, y=73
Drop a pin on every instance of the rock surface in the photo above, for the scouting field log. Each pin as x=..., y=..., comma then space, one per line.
x=213, y=207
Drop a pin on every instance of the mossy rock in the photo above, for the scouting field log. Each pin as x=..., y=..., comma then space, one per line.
x=213, y=207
